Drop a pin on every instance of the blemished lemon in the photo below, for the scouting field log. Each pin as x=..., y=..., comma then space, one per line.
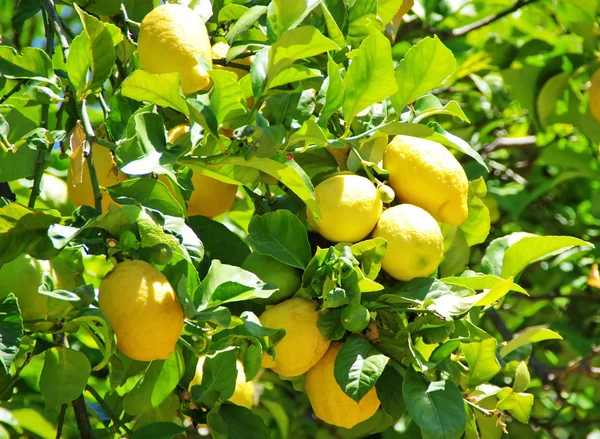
x=211, y=197
x=171, y=37
x=415, y=242
x=106, y=170
x=328, y=400
x=219, y=52
x=143, y=310
x=594, y=103
x=426, y=174
x=270, y=270
x=303, y=344
x=244, y=393
x=350, y=206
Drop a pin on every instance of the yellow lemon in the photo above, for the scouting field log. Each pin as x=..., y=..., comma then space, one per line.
x=595, y=96
x=143, y=310
x=350, y=207
x=22, y=277
x=211, y=197
x=426, y=174
x=243, y=394
x=270, y=270
x=328, y=400
x=415, y=242
x=170, y=39
x=303, y=344
x=106, y=170
x=219, y=52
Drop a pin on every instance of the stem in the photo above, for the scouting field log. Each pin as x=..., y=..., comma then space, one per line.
x=222, y=62
x=481, y=409
x=89, y=142
x=106, y=143
x=372, y=130
x=50, y=8
x=107, y=409
x=37, y=179
x=61, y=420
x=13, y=90
x=15, y=377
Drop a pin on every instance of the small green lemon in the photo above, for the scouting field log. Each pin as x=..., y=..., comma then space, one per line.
x=161, y=254
x=270, y=270
x=22, y=277
x=355, y=318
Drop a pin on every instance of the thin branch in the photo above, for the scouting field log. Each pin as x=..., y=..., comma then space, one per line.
x=50, y=8
x=233, y=64
x=107, y=409
x=511, y=142
x=61, y=420
x=13, y=90
x=464, y=30
x=90, y=139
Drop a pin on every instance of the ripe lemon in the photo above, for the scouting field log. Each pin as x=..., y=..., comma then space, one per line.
x=170, y=39
x=22, y=277
x=270, y=270
x=350, y=207
x=303, y=344
x=328, y=400
x=106, y=170
x=243, y=394
x=143, y=310
x=426, y=174
x=219, y=52
x=415, y=242
x=211, y=197
x=595, y=96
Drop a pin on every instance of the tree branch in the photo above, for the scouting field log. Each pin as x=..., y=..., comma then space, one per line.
x=464, y=30
x=90, y=139
x=55, y=20
x=107, y=409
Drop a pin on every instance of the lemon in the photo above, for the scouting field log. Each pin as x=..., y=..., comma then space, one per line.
x=243, y=394
x=328, y=400
x=106, y=170
x=219, y=52
x=22, y=277
x=270, y=270
x=595, y=96
x=211, y=197
x=415, y=242
x=170, y=39
x=355, y=318
x=350, y=207
x=303, y=344
x=142, y=309
x=426, y=174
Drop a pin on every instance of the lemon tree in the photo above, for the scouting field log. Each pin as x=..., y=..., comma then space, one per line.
x=270, y=219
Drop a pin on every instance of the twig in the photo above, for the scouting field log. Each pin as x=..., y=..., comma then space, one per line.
x=90, y=139
x=464, y=30
x=37, y=178
x=222, y=62
x=107, y=409
x=511, y=142
x=61, y=420
x=56, y=23
x=127, y=24
x=13, y=90
x=50, y=51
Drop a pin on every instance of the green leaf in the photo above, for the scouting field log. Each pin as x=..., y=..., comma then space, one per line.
x=158, y=430
x=300, y=43
x=389, y=392
x=161, y=90
x=310, y=134
x=202, y=114
x=233, y=421
x=155, y=385
x=219, y=242
x=32, y=63
x=294, y=73
x=509, y=255
x=330, y=324
x=370, y=77
x=530, y=335
x=245, y=22
x=226, y=283
x=370, y=253
x=334, y=95
x=358, y=366
x=387, y=9
x=482, y=361
x=64, y=375
x=429, y=105
x=19, y=163
x=149, y=192
x=522, y=378
x=218, y=378
x=11, y=328
x=477, y=226
x=423, y=68
x=283, y=14
x=31, y=420
x=333, y=28
x=436, y=407
x=282, y=236
x=480, y=281
x=519, y=405
x=495, y=293
x=227, y=96
x=23, y=12
x=23, y=230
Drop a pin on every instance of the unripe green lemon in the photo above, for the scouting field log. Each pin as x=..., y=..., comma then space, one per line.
x=22, y=277
x=355, y=318
x=270, y=270
x=161, y=254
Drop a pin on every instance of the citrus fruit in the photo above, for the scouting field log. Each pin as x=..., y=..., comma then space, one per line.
x=243, y=394
x=328, y=400
x=211, y=197
x=350, y=207
x=303, y=344
x=219, y=52
x=161, y=254
x=270, y=270
x=426, y=174
x=415, y=242
x=355, y=318
x=171, y=37
x=142, y=309
x=106, y=170
x=595, y=96
x=22, y=277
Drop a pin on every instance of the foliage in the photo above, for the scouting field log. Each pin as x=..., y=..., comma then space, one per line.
x=499, y=342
